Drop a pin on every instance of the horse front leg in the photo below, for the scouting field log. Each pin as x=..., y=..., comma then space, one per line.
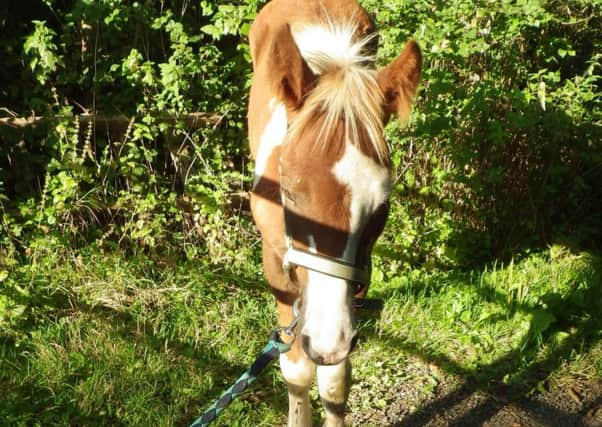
x=333, y=384
x=298, y=371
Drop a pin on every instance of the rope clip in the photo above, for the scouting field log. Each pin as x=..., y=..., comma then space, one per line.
x=290, y=329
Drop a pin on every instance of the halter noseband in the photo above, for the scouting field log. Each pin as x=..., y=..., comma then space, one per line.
x=340, y=268
x=331, y=266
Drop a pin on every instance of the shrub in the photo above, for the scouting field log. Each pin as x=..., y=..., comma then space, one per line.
x=503, y=152
x=504, y=149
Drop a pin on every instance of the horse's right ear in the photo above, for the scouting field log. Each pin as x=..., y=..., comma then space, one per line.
x=292, y=76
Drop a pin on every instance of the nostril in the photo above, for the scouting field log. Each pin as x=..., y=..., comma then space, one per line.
x=354, y=339
x=306, y=345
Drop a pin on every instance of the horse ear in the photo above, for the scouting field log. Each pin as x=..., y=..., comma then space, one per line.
x=399, y=81
x=293, y=78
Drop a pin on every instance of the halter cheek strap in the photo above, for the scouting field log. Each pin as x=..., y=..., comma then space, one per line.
x=335, y=267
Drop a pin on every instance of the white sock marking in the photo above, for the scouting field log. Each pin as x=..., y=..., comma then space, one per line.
x=299, y=373
x=332, y=382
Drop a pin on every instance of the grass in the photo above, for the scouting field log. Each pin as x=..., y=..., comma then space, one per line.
x=93, y=338
x=514, y=313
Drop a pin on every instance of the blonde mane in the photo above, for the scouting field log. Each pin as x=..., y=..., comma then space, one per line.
x=347, y=90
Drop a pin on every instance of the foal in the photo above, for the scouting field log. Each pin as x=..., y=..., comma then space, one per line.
x=322, y=177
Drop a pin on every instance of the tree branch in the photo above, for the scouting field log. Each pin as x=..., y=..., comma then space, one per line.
x=192, y=120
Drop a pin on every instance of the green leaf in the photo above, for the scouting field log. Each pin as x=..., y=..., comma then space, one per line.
x=212, y=30
x=409, y=178
x=541, y=321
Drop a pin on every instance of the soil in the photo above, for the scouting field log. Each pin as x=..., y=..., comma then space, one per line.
x=450, y=401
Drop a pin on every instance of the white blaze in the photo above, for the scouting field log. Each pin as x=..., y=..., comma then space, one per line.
x=328, y=319
x=327, y=314
x=369, y=184
x=273, y=135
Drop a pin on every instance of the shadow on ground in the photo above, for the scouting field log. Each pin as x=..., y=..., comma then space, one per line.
x=484, y=396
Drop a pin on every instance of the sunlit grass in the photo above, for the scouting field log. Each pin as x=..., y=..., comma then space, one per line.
x=515, y=326
x=130, y=341
x=101, y=339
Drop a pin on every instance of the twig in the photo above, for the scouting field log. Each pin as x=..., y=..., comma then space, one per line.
x=193, y=120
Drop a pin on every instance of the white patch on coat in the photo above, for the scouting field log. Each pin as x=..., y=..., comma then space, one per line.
x=299, y=372
x=328, y=320
x=369, y=184
x=273, y=135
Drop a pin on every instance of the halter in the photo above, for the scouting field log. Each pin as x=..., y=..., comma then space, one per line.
x=340, y=267
x=334, y=267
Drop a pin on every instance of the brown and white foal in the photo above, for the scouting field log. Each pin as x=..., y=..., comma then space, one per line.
x=322, y=177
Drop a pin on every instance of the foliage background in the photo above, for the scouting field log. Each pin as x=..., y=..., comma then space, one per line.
x=503, y=155
x=503, y=152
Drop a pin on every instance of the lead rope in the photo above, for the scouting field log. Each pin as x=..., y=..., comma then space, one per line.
x=274, y=348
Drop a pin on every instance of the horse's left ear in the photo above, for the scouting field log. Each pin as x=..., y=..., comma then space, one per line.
x=293, y=78
x=399, y=81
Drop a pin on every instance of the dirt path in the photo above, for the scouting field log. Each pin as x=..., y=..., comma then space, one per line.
x=451, y=402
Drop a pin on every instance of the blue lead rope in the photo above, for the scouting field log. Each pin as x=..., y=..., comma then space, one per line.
x=274, y=348
x=271, y=351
